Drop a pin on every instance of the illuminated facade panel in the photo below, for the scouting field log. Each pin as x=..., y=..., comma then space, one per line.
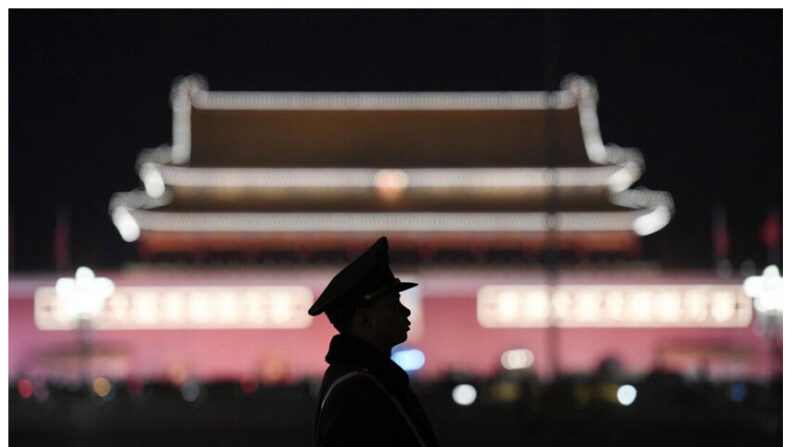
x=197, y=307
x=273, y=307
x=613, y=306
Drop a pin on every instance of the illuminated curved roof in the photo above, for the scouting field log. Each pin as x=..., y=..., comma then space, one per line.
x=388, y=161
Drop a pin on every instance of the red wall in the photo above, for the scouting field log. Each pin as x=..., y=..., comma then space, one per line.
x=451, y=339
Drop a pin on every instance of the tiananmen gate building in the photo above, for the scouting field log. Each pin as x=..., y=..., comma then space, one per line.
x=521, y=225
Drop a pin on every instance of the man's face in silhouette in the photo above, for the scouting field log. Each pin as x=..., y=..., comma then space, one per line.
x=386, y=320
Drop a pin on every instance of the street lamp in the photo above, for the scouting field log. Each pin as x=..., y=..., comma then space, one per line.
x=767, y=291
x=84, y=297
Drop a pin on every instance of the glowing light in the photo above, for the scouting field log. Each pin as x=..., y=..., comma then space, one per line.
x=561, y=303
x=117, y=306
x=517, y=359
x=84, y=294
x=508, y=305
x=190, y=391
x=767, y=290
x=152, y=180
x=536, y=306
x=642, y=198
x=381, y=221
x=126, y=224
x=641, y=306
x=232, y=100
x=624, y=178
x=229, y=308
x=506, y=391
x=177, y=373
x=626, y=394
x=695, y=306
x=182, y=93
x=251, y=302
x=146, y=310
x=409, y=359
x=368, y=178
x=614, y=303
x=738, y=391
x=391, y=183
x=199, y=310
x=586, y=95
x=102, y=386
x=464, y=394
x=273, y=371
x=25, y=388
x=588, y=306
x=669, y=306
x=281, y=308
x=652, y=222
x=174, y=306
x=249, y=384
x=723, y=305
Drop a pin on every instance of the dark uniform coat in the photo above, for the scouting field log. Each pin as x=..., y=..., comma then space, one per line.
x=372, y=405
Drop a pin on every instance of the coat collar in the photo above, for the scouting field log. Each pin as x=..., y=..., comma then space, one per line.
x=349, y=349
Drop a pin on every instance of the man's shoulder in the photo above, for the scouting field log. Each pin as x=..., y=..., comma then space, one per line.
x=357, y=388
x=337, y=371
x=348, y=380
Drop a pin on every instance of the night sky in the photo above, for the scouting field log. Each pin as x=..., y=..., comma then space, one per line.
x=699, y=93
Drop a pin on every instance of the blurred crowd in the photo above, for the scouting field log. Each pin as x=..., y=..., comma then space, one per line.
x=510, y=408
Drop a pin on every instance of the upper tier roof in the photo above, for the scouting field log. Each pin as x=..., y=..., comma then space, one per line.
x=395, y=138
x=389, y=129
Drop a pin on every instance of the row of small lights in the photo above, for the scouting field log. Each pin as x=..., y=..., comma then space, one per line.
x=408, y=359
x=84, y=296
x=670, y=305
x=103, y=388
x=516, y=359
x=463, y=394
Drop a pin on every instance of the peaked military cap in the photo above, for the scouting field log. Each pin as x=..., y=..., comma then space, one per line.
x=365, y=278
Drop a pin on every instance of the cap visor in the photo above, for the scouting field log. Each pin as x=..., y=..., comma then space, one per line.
x=317, y=308
x=401, y=286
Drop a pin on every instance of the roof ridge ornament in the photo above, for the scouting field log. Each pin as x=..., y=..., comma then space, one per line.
x=584, y=88
x=183, y=91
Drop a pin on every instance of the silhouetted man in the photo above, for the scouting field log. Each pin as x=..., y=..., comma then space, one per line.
x=365, y=398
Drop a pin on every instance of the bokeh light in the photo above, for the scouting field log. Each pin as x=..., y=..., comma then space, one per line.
x=409, y=359
x=102, y=386
x=25, y=388
x=135, y=386
x=626, y=394
x=517, y=359
x=190, y=391
x=464, y=394
x=249, y=384
x=738, y=392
